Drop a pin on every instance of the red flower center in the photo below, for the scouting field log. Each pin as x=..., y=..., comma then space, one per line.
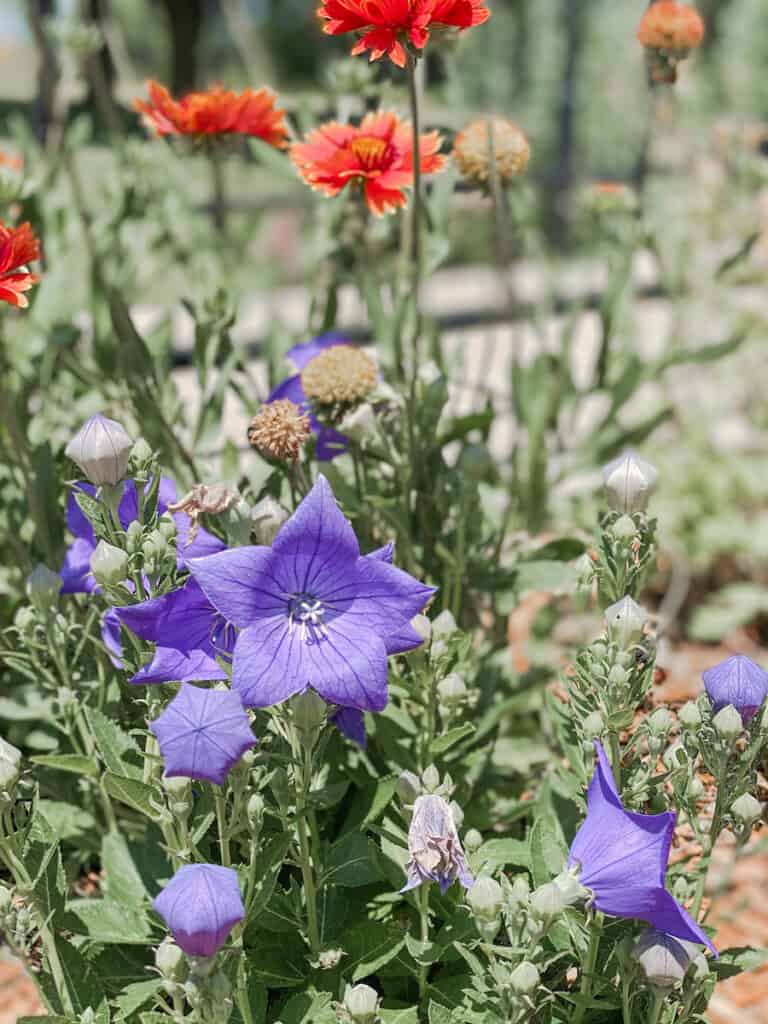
x=371, y=151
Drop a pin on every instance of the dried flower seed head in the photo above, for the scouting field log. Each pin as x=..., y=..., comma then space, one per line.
x=671, y=27
x=204, y=499
x=472, y=150
x=341, y=375
x=279, y=430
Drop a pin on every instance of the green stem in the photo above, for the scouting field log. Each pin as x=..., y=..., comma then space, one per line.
x=221, y=821
x=626, y=1010
x=615, y=757
x=657, y=1007
x=303, y=767
x=413, y=95
x=588, y=969
x=424, y=920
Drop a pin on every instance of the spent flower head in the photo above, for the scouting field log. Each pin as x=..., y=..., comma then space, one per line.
x=435, y=851
x=472, y=150
x=671, y=27
x=340, y=375
x=279, y=430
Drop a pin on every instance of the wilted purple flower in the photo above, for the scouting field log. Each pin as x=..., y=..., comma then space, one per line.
x=201, y=905
x=189, y=632
x=203, y=733
x=76, y=569
x=737, y=681
x=434, y=847
x=311, y=610
x=622, y=858
x=330, y=442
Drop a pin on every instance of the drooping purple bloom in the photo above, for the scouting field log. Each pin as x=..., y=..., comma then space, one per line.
x=330, y=442
x=192, y=637
x=737, y=681
x=200, y=906
x=621, y=857
x=203, y=733
x=351, y=723
x=312, y=612
x=110, y=635
x=434, y=847
x=75, y=571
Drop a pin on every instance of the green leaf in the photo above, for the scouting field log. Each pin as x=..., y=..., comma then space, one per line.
x=75, y=763
x=564, y=549
x=438, y=1014
x=122, y=881
x=118, y=751
x=547, y=575
x=279, y=965
x=137, y=996
x=348, y=863
x=82, y=984
x=410, y=1015
x=548, y=855
x=451, y=738
x=110, y=923
x=43, y=861
x=369, y=946
x=308, y=1009
x=736, y=960
x=132, y=792
x=502, y=853
x=66, y=820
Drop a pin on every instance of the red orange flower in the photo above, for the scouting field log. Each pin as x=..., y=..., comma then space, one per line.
x=388, y=24
x=215, y=112
x=378, y=155
x=670, y=26
x=18, y=247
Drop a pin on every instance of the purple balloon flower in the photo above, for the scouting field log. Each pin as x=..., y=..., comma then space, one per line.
x=201, y=905
x=737, y=681
x=436, y=854
x=312, y=612
x=622, y=858
x=191, y=636
x=330, y=442
x=203, y=733
x=75, y=571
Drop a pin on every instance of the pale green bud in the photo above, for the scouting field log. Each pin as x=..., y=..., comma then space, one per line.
x=689, y=715
x=663, y=958
x=746, y=809
x=109, y=564
x=547, y=901
x=133, y=536
x=629, y=483
x=362, y=1004
x=625, y=620
x=699, y=967
x=167, y=527
x=101, y=448
x=593, y=725
x=618, y=675
x=696, y=788
x=220, y=988
x=431, y=778
x=422, y=626
x=267, y=516
x=141, y=454
x=6, y=900
x=728, y=722
x=452, y=690
x=238, y=523
x=525, y=978
x=10, y=767
x=255, y=809
x=598, y=650
x=309, y=711
x=179, y=792
x=360, y=423
x=660, y=722
x=623, y=528
x=171, y=961
x=409, y=787
x=473, y=840
x=444, y=625
x=485, y=898
x=43, y=586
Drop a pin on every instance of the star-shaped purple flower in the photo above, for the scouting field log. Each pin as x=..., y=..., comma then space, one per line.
x=737, y=681
x=192, y=637
x=203, y=733
x=201, y=905
x=311, y=610
x=435, y=850
x=75, y=571
x=622, y=859
x=330, y=442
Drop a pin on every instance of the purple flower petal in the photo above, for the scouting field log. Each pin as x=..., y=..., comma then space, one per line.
x=330, y=443
x=622, y=858
x=110, y=635
x=317, y=536
x=172, y=665
x=201, y=905
x=378, y=596
x=291, y=390
x=268, y=665
x=435, y=850
x=75, y=572
x=242, y=583
x=403, y=640
x=203, y=733
x=737, y=681
x=351, y=723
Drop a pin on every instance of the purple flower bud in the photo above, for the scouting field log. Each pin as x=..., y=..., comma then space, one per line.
x=101, y=448
x=434, y=846
x=737, y=681
x=203, y=733
x=201, y=905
